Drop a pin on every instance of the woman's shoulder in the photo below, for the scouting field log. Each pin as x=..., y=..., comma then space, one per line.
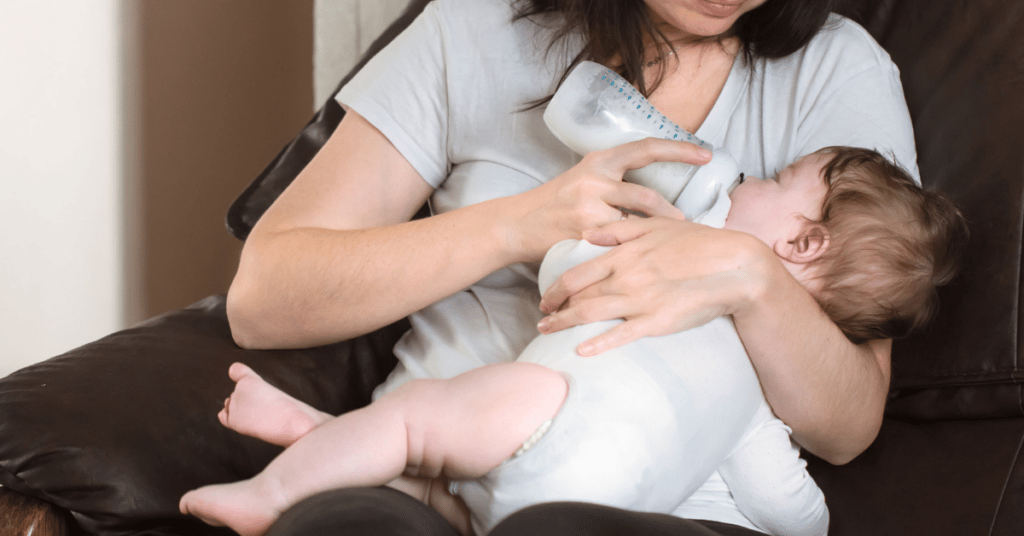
x=844, y=42
x=475, y=11
x=489, y=35
x=487, y=24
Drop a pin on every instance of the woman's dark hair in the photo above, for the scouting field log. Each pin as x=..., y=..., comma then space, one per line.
x=619, y=29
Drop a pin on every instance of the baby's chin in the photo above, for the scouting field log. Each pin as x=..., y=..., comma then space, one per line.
x=734, y=222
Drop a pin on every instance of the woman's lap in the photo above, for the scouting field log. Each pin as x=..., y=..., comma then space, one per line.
x=573, y=519
x=387, y=512
x=361, y=512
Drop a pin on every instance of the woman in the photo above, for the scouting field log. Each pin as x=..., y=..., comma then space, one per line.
x=448, y=113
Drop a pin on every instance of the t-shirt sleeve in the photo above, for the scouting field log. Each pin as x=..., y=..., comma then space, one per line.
x=402, y=92
x=770, y=483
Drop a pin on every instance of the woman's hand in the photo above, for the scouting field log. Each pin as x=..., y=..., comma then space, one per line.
x=591, y=194
x=666, y=275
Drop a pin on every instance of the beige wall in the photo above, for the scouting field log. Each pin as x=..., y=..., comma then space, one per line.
x=344, y=30
x=222, y=86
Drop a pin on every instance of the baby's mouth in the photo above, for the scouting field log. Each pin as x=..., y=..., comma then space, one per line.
x=735, y=184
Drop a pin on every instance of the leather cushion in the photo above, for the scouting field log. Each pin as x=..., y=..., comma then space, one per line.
x=941, y=479
x=117, y=430
x=962, y=66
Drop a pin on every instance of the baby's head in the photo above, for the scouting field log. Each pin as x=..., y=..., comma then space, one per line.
x=869, y=243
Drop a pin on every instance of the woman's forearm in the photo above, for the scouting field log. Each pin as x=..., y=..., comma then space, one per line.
x=335, y=256
x=309, y=286
x=830, y=391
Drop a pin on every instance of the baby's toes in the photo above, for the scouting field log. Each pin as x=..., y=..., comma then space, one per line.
x=238, y=371
x=183, y=504
x=223, y=415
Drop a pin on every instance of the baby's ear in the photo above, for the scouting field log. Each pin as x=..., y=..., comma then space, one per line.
x=809, y=244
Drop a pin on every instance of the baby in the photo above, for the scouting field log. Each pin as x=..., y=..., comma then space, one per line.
x=639, y=427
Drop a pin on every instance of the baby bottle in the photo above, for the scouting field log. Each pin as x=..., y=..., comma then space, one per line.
x=596, y=109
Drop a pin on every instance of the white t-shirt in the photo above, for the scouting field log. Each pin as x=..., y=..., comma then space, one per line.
x=449, y=93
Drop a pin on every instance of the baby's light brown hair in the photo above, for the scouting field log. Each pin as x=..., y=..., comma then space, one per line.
x=891, y=245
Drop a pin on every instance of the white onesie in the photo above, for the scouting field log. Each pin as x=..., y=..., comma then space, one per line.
x=644, y=425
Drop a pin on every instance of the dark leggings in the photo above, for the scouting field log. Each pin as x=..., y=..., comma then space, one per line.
x=386, y=512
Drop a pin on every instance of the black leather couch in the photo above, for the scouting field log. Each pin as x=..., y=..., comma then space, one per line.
x=104, y=439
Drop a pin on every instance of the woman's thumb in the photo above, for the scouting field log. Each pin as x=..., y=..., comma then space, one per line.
x=618, y=232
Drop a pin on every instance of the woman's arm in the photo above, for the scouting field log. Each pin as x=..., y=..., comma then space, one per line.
x=830, y=391
x=335, y=256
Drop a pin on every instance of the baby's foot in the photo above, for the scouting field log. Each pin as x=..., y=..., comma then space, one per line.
x=260, y=410
x=238, y=505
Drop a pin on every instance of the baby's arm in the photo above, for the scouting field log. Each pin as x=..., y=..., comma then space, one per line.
x=771, y=485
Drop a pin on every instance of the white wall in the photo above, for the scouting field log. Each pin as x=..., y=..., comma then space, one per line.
x=68, y=164
x=61, y=171
x=343, y=30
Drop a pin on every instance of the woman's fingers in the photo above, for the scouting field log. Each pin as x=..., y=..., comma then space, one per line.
x=572, y=282
x=665, y=276
x=616, y=161
x=637, y=154
x=595, y=310
x=618, y=232
x=578, y=278
x=688, y=305
x=642, y=200
x=590, y=194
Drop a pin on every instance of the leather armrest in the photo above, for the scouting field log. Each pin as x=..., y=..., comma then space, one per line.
x=117, y=430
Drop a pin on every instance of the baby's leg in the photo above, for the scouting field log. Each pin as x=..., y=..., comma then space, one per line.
x=258, y=409
x=771, y=485
x=461, y=428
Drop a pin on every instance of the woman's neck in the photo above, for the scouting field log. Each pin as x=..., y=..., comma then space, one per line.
x=692, y=79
